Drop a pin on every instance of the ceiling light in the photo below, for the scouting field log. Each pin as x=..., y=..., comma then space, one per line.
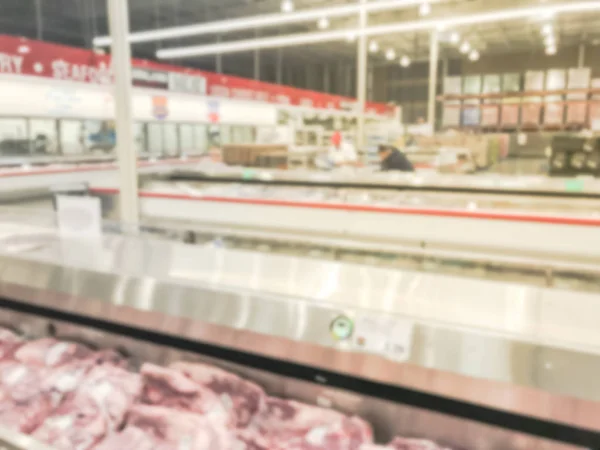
x=547, y=29
x=551, y=50
x=405, y=61
x=319, y=37
x=373, y=46
x=390, y=54
x=264, y=20
x=474, y=55
x=455, y=38
x=425, y=9
x=287, y=6
x=465, y=47
x=323, y=23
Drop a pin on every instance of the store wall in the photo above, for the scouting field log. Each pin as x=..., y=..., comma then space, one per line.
x=409, y=87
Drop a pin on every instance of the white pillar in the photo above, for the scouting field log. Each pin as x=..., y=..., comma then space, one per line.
x=434, y=49
x=361, y=77
x=118, y=17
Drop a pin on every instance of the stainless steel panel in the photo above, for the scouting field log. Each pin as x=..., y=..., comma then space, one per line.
x=126, y=283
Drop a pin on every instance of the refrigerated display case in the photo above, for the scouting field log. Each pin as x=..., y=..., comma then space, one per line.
x=357, y=360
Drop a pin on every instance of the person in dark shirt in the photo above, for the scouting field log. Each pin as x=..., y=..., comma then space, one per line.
x=393, y=159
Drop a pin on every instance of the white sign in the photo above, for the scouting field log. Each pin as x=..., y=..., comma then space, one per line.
x=388, y=336
x=79, y=217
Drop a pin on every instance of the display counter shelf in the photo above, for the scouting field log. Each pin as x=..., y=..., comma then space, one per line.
x=466, y=387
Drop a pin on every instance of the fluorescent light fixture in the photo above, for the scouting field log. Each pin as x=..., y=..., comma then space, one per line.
x=425, y=9
x=376, y=30
x=551, y=50
x=474, y=55
x=373, y=46
x=390, y=54
x=465, y=47
x=287, y=6
x=262, y=21
x=405, y=61
x=455, y=38
x=547, y=29
x=323, y=23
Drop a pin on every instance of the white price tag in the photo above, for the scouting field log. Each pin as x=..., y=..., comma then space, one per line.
x=387, y=336
x=79, y=217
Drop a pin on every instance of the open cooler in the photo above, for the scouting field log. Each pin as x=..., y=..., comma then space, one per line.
x=123, y=351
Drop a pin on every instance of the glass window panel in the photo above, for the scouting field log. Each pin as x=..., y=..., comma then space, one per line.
x=71, y=137
x=43, y=136
x=200, y=138
x=171, y=139
x=186, y=137
x=155, y=138
x=214, y=136
x=99, y=136
x=13, y=137
x=139, y=132
x=225, y=134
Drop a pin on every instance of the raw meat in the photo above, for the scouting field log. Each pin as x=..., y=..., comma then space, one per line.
x=159, y=428
x=171, y=388
x=97, y=407
x=50, y=352
x=9, y=343
x=23, y=404
x=400, y=443
x=241, y=398
x=250, y=439
x=291, y=425
x=131, y=438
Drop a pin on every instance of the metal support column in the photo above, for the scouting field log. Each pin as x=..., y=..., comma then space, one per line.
x=326, y=79
x=219, y=59
x=434, y=49
x=279, y=67
x=39, y=22
x=361, y=77
x=581, y=55
x=118, y=19
x=256, y=60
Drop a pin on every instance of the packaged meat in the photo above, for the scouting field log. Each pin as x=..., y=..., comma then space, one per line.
x=172, y=388
x=292, y=425
x=241, y=398
x=96, y=408
x=9, y=343
x=50, y=352
x=160, y=428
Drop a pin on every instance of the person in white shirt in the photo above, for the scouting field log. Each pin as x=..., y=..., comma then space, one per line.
x=343, y=154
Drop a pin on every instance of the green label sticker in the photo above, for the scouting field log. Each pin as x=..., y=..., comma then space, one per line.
x=574, y=185
x=341, y=328
x=248, y=174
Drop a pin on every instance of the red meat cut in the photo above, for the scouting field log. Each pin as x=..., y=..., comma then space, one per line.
x=171, y=388
x=160, y=428
x=291, y=425
x=9, y=343
x=50, y=352
x=96, y=408
x=240, y=397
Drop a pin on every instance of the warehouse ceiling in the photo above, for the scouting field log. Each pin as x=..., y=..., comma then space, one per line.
x=76, y=22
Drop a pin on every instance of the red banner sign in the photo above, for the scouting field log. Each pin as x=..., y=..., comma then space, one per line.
x=23, y=56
